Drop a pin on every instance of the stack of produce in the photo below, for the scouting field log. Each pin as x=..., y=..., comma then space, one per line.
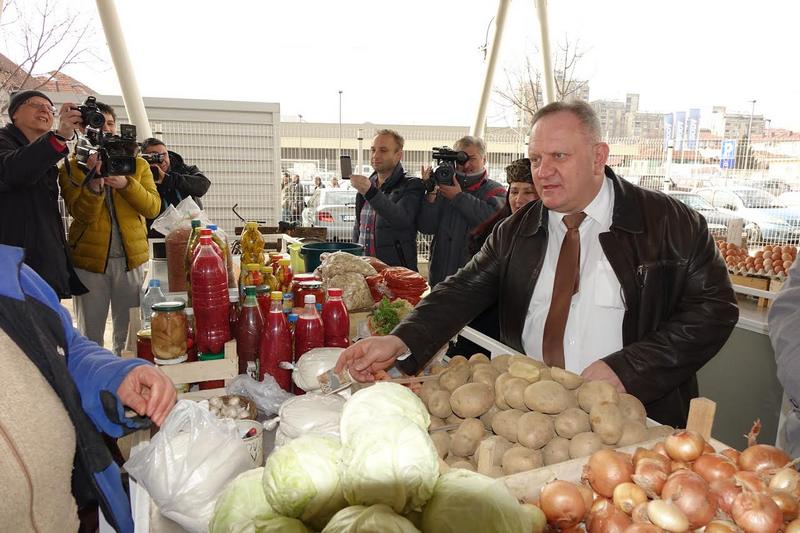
x=773, y=261
x=529, y=414
x=681, y=484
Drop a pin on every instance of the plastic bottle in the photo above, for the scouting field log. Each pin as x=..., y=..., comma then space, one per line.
x=233, y=310
x=262, y=297
x=252, y=244
x=276, y=344
x=309, y=332
x=152, y=296
x=221, y=239
x=211, y=306
x=191, y=244
x=336, y=320
x=284, y=275
x=248, y=334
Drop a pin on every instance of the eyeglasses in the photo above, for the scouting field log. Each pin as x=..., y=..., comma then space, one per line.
x=42, y=107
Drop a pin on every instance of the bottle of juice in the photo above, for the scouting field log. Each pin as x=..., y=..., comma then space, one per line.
x=188, y=257
x=248, y=334
x=336, y=320
x=233, y=310
x=205, y=232
x=252, y=244
x=309, y=332
x=262, y=297
x=211, y=306
x=284, y=275
x=276, y=344
x=221, y=239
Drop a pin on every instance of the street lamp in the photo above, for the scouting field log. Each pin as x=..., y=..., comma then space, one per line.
x=340, y=124
x=749, y=152
x=300, y=120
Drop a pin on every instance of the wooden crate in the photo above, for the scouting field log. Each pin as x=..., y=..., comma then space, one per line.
x=753, y=282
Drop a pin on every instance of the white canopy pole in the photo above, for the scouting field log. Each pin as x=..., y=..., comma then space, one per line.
x=134, y=105
x=547, y=61
x=494, y=52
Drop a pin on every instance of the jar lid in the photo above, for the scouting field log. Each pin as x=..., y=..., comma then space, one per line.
x=310, y=284
x=253, y=266
x=144, y=333
x=168, y=306
x=210, y=356
x=284, y=262
x=304, y=276
x=266, y=269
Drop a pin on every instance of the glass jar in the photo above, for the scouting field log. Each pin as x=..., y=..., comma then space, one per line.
x=144, y=348
x=296, y=281
x=169, y=332
x=308, y=287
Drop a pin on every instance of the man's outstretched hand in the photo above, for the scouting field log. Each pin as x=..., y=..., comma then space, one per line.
x=367, y=357
x=148, y=391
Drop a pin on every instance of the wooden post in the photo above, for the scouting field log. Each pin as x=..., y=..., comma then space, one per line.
x=701, y=416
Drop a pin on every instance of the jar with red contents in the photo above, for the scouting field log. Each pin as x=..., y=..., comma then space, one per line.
x=274, y=257
x=308, y=287
x=144, y=348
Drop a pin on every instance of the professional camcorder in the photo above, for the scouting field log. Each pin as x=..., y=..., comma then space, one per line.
x=446, y=160
x=117, y=152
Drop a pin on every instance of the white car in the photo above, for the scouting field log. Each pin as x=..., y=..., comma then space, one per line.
x=334, y=209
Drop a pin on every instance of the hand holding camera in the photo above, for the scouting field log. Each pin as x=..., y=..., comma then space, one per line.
x=69, y=120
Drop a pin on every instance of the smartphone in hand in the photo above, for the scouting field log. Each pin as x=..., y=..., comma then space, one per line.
x=346, y=166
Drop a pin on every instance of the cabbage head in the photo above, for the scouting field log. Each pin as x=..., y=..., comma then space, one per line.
x=242, y=502
x=467, y=501
x=382, y=400
x=301, y=480
x=374, y=519
x=278, y=524
x=391, y=461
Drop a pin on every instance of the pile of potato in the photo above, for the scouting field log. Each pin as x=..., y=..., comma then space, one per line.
x=527, y=414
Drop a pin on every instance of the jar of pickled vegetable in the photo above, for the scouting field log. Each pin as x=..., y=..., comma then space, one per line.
x=169, y=332
x=309, y=287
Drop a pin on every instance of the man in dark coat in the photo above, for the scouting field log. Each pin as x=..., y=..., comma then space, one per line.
x=29, y=214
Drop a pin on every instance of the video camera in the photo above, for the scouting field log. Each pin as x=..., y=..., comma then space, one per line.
x=446, y=160
x=117, y=152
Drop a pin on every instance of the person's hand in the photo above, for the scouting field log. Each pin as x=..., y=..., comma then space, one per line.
x=158, y=174
x=148, y=391
x=116, y=182
x=599, y=370
x=69, y=120
x=450, y=191
x=425, y=172
x=367, y=357
x=361, y=183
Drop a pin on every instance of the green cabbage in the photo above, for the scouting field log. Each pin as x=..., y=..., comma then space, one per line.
x=390, y=461
x=242, y=502
x=279, y=524
x=375, y=519
x=467, y=501
x=382, y=400
x=301, y=480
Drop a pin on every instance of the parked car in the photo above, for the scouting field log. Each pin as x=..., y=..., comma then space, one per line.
x=716, y=219
x=789, y=199
x=334, y=209
x=768, y=220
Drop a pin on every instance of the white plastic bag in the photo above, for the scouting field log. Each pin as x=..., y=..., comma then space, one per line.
x=309, y=414
x=267, y=394
x=313, y=363
x=188, y=463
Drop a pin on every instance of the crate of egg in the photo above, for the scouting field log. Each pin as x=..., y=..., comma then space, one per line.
x=770, y=261
x=735, y=257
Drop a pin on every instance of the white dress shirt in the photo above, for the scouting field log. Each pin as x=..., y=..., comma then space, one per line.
x=594, y=324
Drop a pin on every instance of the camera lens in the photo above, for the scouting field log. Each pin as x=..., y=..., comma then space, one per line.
x=95, y=120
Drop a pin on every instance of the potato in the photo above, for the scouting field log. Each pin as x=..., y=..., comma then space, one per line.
x=471, y=400
x=521, y=459
x=437, y=368
x=501, y=444
x=632, y=408
x=465, y=465
x=501, y=362
x=659, y=432
x=499, y=388
x=484, y=374
x=547, y=397
x=453, y=420
x=633, y=432
x=436, y=422
x=523, y=369
x=439, y=404
x=594, y=392
x=545, y=374
x=495, y=472
x=584, y=445
x=454, y=376
x=479, y=359
x=487, y=417
x=427, y=388
x=505, y=424
x=606, y=419
x=457, y=360
x=514, y=393
x=570, y=380
x=556, y=451
x=571, y=422
x=441, y=440
x=534, y=430
x=466, y=438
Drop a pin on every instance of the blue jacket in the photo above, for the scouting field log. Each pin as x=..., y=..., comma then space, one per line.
x=95, y=372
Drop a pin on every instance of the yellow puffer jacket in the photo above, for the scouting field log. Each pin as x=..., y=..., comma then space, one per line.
x=90, y=231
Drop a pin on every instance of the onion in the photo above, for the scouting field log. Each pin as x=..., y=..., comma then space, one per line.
x=750, y=481
x=793, y=527
x=714, y=466
x=606, y=469
x=721, y=526
x=755, y=512
x=587, y=493
x=691, y=494
x=786, y=479
x=707, y=448
x=643, y=528
x=762, y=457
x=562, y=504
x=639, y=514
x=606, y=518
x=685, y=445
x=643, y=453
x=650, y=476
x=658, y=447
x=726, y=491
x=628, y=495
x=786, y=503
x=679, y=465
x=731, y=454
x=667, y=515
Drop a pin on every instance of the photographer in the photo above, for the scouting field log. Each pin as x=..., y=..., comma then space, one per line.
x=450, y=211
x=174, y=179
x=108, y=235
x=29, y=215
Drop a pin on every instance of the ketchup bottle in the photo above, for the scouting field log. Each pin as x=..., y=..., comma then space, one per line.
x=309, y=332
x=210, y=299
x=276, y=344
x=248, y=334
x=336, y=320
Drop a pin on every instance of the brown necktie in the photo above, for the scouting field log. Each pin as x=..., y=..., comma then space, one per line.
x=565, y=284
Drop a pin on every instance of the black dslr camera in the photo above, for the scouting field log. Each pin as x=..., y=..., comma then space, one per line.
x=117, y=152
x=153, y=158
x=446, y=161
x=91, y=115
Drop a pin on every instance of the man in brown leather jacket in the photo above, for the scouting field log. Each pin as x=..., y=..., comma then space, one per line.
x=666, y=305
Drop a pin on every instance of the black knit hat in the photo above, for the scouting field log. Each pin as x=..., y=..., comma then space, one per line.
x=19, y=98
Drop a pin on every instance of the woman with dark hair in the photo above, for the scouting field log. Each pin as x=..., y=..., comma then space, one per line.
x=520, y=193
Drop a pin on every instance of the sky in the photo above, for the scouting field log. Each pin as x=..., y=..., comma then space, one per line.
x=419, y=61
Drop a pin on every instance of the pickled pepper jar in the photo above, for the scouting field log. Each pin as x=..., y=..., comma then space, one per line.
x=169, y=331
